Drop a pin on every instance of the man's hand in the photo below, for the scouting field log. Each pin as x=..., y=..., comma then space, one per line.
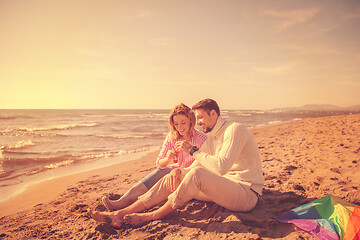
x=183, y=145
x=173, y=179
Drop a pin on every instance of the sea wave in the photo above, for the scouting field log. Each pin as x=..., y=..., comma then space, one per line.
x=95, y=115
x=59, y=164
x=18, y=145
x=60, y=127
x=124, y=137
x=44, y=164
x=50, y=166
x=12, y=117
x=7, y=175
x=118, y=137
x=111, y=136
x=157, y=134
x=275, y=122
x=20, y=162
x=8, y=117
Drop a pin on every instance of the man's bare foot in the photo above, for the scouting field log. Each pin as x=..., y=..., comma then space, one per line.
x=110, y=218
x=136, y=219
x=107, y=203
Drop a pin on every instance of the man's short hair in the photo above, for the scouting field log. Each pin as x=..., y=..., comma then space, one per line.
x=208, y=105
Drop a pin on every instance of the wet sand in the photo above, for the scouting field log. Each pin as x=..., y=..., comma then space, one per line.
x=302, y=160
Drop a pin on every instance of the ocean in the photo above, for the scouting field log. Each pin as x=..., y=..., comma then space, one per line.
x=37, y=145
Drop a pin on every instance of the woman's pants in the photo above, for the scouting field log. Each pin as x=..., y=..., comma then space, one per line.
x=153, y=177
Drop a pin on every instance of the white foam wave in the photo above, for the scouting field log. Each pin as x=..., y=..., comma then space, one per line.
x=18, y=145
x=60, y=127
x=160, y=116
x=123, y=152
x=95, y=115
x=101, y=136
x=123, y=137
x=158, y=134
x=85, y=158
x=59, y=164
x=275, y=122
x=109, y=154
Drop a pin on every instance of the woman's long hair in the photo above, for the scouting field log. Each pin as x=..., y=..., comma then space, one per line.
x=187, y=112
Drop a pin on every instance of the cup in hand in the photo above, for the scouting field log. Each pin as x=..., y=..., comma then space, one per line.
x=176, y=159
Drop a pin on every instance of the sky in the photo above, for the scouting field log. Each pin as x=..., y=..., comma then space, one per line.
x=117, y=54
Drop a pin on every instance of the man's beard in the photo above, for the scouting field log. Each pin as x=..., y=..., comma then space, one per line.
x=206, y=130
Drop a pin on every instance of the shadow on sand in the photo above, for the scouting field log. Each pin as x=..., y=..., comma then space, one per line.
x=209, y=217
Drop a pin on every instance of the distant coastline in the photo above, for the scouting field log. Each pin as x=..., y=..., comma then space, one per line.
x=319, y=107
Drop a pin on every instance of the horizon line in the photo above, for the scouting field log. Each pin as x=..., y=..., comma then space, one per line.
x=320, y=107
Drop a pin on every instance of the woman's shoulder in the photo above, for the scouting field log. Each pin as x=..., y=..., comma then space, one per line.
x=169, y=137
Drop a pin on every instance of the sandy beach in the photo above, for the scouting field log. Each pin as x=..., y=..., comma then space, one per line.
x=302, y=160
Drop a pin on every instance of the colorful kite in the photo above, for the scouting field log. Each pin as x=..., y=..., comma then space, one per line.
x=326, y=218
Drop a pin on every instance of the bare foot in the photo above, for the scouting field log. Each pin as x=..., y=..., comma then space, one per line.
x=136, y=219
x=109, y=218
x=107, y=203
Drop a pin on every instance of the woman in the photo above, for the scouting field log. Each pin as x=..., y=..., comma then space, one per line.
x=181, y=124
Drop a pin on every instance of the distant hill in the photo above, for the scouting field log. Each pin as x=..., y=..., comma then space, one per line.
x=355, y=107
x=319, y=107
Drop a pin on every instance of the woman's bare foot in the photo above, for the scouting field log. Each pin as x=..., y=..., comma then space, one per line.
x=136, y=219
x=110, y=218
x=107, y=203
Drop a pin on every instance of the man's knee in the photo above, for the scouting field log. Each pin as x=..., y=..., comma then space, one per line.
x=199, y=172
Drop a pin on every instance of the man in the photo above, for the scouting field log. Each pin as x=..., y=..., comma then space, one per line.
x=227, y=170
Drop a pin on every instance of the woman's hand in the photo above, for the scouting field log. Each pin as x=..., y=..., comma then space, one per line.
x=168, y=159
x=171, y=155
x=183, y=146
x=173, y=179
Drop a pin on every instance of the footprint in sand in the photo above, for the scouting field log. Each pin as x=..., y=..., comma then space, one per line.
x=114, y=196
x=299, y=187
x=100, y=208
x=290, y=168
x=79, y=208
x=105, y=228
x=335, y=170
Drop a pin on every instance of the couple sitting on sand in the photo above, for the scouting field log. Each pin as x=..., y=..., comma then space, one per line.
x=223, y=166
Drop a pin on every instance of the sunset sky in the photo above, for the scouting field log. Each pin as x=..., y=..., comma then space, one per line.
x=156, y=54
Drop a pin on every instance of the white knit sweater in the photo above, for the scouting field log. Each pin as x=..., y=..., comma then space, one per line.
x=232, y=152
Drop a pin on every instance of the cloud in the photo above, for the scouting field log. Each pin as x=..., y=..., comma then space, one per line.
x=290, y=18
x=144, y=14
x=277, y=70
x=140, y=14
x=328, y=28
x=353, y=15
x=319, y=49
